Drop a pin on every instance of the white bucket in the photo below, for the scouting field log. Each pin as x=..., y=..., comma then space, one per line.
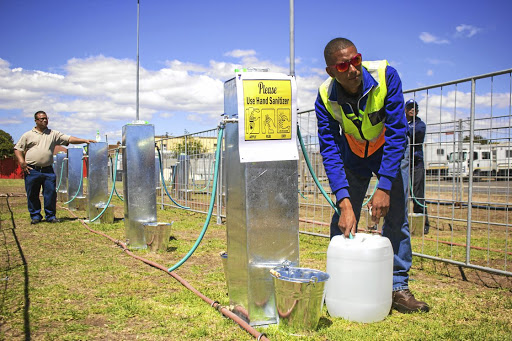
x=361, y=277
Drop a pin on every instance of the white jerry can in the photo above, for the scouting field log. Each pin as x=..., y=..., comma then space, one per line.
x=361, y=277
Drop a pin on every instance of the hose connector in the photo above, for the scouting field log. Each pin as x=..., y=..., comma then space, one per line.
x=227, y=119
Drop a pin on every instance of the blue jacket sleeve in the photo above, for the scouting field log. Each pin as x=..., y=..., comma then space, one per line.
x=329, y=138
x=419, y=130
x=396, y=130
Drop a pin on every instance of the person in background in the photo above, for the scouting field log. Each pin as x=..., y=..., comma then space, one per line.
x=34, y=152
x=362, y=131
x=417, y=131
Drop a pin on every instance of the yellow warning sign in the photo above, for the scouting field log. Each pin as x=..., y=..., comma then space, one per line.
x=268, y=109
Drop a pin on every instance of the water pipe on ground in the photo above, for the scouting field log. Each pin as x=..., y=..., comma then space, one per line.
x=214, y=304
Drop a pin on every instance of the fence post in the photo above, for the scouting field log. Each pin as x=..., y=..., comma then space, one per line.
x=470, y=181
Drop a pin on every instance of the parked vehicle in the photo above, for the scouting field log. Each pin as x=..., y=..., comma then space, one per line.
x=450, y=160
x=489, y=160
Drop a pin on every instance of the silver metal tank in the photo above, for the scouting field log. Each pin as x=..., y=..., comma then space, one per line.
x=75, y=177
x=138, y=181
x=262, y=212
x=97, y=177
x=262, y=228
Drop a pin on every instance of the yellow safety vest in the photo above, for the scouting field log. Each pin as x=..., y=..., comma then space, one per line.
x=366, y=138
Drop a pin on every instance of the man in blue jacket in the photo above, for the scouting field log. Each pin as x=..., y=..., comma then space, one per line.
x=417, y=131
x=362, y=130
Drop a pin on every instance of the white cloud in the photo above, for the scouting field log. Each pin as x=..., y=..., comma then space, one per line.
x=430, y=72
x=429, y=38
x=467, y=30
x=100, y=93
x=240, y=53
x=194, y=118
x=434, y=61
x=11, y=120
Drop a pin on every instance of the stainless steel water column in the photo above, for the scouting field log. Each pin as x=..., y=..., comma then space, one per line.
x=97, y=178
x=75, y=174
x=261, y=181
x=138, y=181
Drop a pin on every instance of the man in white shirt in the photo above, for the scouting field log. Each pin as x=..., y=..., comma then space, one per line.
x=34, y=152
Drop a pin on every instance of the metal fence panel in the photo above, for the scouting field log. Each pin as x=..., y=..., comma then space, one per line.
x=188, y=164
x=468, y=173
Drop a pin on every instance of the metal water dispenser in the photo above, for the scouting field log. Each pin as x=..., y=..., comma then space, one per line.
x=261, y=184
x=97, y=183
x=138, y=181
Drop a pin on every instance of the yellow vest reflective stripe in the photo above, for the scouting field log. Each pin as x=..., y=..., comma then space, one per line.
x=368, y=137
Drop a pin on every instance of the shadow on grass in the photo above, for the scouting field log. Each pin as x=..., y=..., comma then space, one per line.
x=63, y=220
x=26, y=295
x=324, y=323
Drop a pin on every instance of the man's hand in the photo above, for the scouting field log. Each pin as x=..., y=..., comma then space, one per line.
x=347, y=223
x=26, y=168
x=379, y=205
x=78, y=140
x=21, y=160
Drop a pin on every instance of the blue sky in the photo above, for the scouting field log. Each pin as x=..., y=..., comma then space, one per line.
x=77, y=59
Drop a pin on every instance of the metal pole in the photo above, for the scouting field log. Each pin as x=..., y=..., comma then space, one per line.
x=137, y=91
x=470, y=182
x=163, y=172
x=219, y=187
x=460, y=162
x=292, y=39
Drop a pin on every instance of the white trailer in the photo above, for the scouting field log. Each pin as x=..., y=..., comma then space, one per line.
x=450, y=159
x=489, y=160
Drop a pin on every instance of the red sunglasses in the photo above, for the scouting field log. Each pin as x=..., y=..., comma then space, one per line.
x=342, y=67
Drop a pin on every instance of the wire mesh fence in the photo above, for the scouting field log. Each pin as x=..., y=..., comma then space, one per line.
x=467, y=170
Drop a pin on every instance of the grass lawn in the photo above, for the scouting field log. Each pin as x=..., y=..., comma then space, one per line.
x=63, y=282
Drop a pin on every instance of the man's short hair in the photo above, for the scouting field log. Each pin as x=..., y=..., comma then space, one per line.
x=37, y=113
x=335, y=45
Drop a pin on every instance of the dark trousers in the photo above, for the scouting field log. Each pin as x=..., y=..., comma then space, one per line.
x=418, y=191
x=45, y=178
x=396, y=225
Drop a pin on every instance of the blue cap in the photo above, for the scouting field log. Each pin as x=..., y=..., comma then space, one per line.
x=411, y=103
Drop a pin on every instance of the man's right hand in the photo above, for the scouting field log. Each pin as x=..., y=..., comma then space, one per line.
x=26, y=168
x=347, y=223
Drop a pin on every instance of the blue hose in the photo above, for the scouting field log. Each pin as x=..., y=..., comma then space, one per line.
x=212, y=202
x=414, y=197
x=80, y=185
x=306, y=157
x=324, y=193
x=163, y=181
x=111, y=191
x=114, y=170
x=60, y=178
